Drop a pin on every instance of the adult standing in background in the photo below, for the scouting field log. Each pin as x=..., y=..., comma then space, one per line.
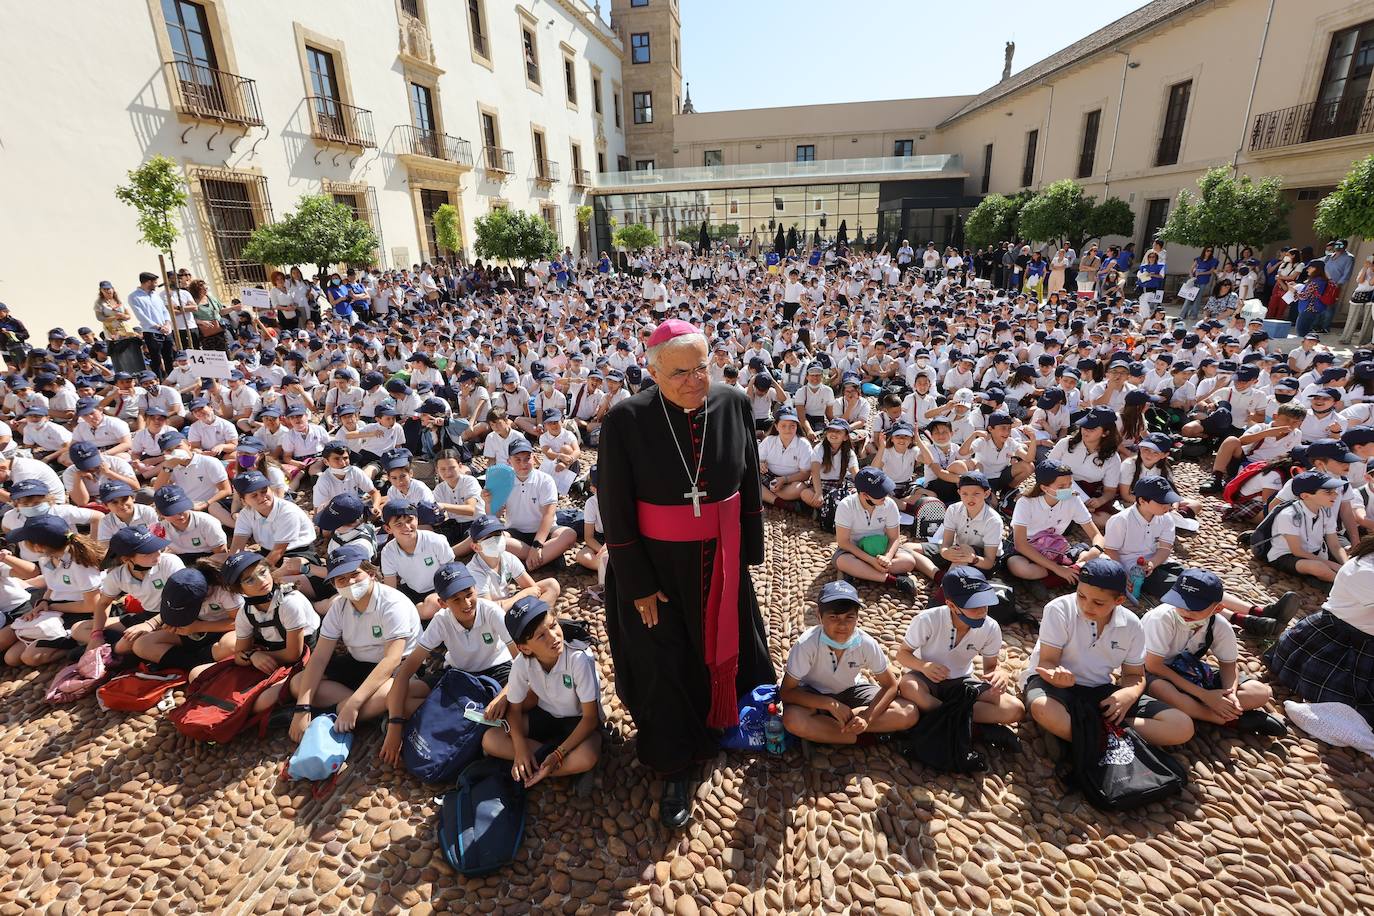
x=207, y=316
x=126, y=347
x=1340, y=264
x=181, y=307
x=680, y=502
x=1357, y=326
x=154, y=322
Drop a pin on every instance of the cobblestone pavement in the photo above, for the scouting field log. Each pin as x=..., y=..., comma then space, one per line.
x=108, y=813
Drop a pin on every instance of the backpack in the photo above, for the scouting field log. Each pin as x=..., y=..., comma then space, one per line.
x=320, y=755
x=219, y=702
x=80, y=678
x=439, y=740
x=1114, y=768
x=577, y=634
x=140, y=690
x=748, y=735
x=1004, y=611
x=1231, y=492
x=943, y=738
x=482, y=821
x=928, y=514
x=1263, y=535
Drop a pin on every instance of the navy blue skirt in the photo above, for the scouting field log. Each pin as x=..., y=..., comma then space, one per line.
x=1323, y=659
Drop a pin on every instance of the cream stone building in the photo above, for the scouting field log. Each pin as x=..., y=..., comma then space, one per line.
x=393, y=106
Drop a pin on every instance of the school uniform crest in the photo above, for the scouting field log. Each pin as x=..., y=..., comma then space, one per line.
x=429, y=561
x=486, y=638
x=66, y=579
x=377, y=631
x=157, y=583
x=567, y=680
x=195, y=542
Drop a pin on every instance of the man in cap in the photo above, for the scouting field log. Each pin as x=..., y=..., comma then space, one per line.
x=682, y=524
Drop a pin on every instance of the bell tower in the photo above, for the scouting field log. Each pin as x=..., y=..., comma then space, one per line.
x=651, y=78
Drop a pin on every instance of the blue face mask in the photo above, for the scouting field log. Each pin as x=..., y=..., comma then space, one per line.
x=972, y=623
x=847, y=644
x=1063, y=495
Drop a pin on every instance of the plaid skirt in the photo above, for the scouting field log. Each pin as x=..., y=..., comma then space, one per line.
x=1323, y=659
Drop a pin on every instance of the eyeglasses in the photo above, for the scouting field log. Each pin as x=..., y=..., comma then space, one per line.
x=679, y=375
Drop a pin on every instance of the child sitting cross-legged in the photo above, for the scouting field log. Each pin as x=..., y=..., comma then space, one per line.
x=1179, y=634
x=939, y=649
x=826, y=697
x=868, y=539
x=553, y=699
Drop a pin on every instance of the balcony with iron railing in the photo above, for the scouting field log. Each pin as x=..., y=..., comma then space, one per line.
x=331, y=121
x=582, y=178
x=545, y=171
x=214, y=95
x=430, y=144
x=498, y=161
x=1312, y=122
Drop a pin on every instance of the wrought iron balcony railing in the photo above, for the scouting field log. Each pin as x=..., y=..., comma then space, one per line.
x=420, y=142
x=215, y=95
x=1313, y=121
x=499, y=160
x=334, y=122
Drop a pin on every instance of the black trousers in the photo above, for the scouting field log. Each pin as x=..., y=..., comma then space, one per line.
x=160, y=350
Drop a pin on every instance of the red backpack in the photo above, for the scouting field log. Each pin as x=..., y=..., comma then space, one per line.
x=139, y=691
x=1231, y=492
x=219, y=702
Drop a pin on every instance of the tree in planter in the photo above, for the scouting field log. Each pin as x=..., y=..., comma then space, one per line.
x=506, y=235
x=635, y=236
x=995, y=219
x=1229, y=213
x=584, y=214
x=1348, y=211
x=322, y=232
x=1061, y=212
x=446, y=230
x=156, y=190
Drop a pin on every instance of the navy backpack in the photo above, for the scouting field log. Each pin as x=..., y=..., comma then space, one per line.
x=482, y=821
x=439, y=739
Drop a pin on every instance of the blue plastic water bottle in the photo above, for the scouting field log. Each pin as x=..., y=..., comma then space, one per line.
x=1135, y=578
x=774, y=740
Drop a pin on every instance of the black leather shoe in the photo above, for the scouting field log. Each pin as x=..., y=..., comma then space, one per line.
x=675, y=804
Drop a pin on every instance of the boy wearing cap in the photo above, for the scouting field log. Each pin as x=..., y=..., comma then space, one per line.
x=193, y=534
x=201, y=477
x=1261, y=442
x=195, y=624
x=340, y=476
x=1305, y=541
x=301, y=447
x=971, y=534
x=412, y=556
x=531, y=512
x=498, y=442
x=274, y=523
x=90, y=469
x=1188, y=624
x=123, y=510
x=472, y=632
x=554, y=702
x=110, y=434
x=375, y=625
x=1086, y=638
x=826, y=698
x=210, y=434
x=999, y=455
x=30, y=499
x=940, y=646
x=559, y=445
x=500, y=574
x=399, y=474
x=868, y=541
x=45, y=439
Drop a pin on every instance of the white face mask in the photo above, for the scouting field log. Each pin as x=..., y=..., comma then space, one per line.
x=357, y=590
x=35, y=511
x=492, y=547
x=339, y=473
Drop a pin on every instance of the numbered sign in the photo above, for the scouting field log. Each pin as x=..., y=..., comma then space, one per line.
x=209, y=363
x=255, y=298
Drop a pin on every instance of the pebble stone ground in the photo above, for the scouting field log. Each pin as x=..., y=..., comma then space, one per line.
x=107, y=813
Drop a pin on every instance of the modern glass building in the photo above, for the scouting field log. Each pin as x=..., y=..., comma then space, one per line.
x=878, y=200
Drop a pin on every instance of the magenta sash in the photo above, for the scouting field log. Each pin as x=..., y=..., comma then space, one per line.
x=720, y=611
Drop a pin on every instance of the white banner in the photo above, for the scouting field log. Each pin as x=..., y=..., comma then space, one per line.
x=209, y=363
x=255, y=298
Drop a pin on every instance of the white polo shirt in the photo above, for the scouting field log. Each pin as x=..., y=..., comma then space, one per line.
x=1167, y=634
x=1349, y=598
x=148, y=590
x=785, y=459
x=307, y=444
x=380, y=438
x=1091, y=655
x=116, y=463
x=931, y=637
x=46, y=436
x=497, y=449
x=286, y=523
x=813, y=403
x=817, y=666
x=483, y=645
x=1133, y=537
x=591, y=513
x=201, y=478
x=111, y=524
x=1085, y=466
x=900, y=466
x=206, y=436
x=496, y=583
x=416, y=570
x=1037, y=515
x=1310, y=529
x=203, y=534
x=991, y=459
x=467, y=489
x=294, y=611
x=562, y=689
x=389, y=615
x=528, y=497
x=330, y=484
x=983, y=530
x=860, y=522
x=109, y=431
x=68, y=581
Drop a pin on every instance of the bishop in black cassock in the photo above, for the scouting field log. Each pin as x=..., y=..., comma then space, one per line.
x=661, y=671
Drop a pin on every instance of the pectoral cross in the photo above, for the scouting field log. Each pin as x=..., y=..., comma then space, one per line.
x=695, y=494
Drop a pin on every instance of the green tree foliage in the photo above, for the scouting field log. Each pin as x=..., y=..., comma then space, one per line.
x=634, y=236
x=506, y=235
x=727, y=232
x=1348, y=211
x=1112, y=216
x=155, y=190
x=995, y=219
x=584, y=214
x=446, y=229
x=321, y=231
x=1063, y=212
x=1229, y=213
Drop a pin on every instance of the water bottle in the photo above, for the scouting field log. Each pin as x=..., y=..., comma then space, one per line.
x=774, y=739
x=1135, y=578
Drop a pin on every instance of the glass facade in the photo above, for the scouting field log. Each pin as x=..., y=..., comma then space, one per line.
x=678, y=215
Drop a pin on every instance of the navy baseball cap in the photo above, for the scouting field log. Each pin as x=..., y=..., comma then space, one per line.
x=1049, y=470
x=1104, y=572
x=111, y=489
x=1312, y=481
x=1097, y=418
x=47, y=530
x=182, y=596
x=1196, y=590
x=1159, y=442
x=171, y=500
x=250, y=482
x=874, y=483
x=974, y=479
x=343, y=509
x=396, y=458
x=85, y=455
x=518, y=447
x=30, y=487
x=87, y=406
x=1331, y=450
x=524, y=615
x=485, y=526
x=135, y=539
x=839, y=595
x=967, y=587
x=397, y=509
x=998, y=419
x=169, y=438
x=452, y=578
x=1358, y=435
x=1156, y=490
x=346, y=559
